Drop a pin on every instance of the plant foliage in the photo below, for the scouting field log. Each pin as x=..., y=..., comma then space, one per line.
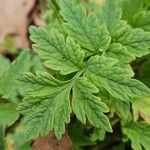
x=89, y=76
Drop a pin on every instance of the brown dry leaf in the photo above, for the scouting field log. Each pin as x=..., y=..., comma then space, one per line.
x=51, y=143
x=14, y=20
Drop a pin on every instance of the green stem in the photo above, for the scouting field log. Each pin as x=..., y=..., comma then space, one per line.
x=77, y=76
x=55, y=7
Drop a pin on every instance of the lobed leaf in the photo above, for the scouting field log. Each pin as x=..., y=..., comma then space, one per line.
x=136, y=41
x=46, y=106
x=142, y=20
x=49, y=101
x=129, y=11
x=85, y=29
x=114, y=79
x=110, y=13
x=86, y=105
x=139, y=134
x=57, y=53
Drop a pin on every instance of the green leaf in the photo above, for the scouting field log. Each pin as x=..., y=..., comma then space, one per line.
x=8, y=85
x=98, y=135
x=142, y=20
x=110, y=14
x=4, y=64
x=46, y=106
x=119, y=52
x=139, y=134
x=49, y=102
x=58, y=54
x=103, y=94
x=141, y=109
x=54, y=6
x=122, y=108
x=86, y=105
x=36, y=64
x=114, y=79
x=136, y=41
x=85, y=29
x=9, y=44
x=8, y=114
x=131, y=8
x=140, y=17
x=128, y=69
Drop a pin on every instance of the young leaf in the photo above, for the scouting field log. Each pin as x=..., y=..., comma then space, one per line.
x=58, y=54
x=46, y=106
x=86, y=105
x=8, y=114
x=114, y=79
x=85, y=29
x=139, y=134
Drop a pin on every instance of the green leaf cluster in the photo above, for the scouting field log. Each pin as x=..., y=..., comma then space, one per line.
x=92, y=75
x=140, y=17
